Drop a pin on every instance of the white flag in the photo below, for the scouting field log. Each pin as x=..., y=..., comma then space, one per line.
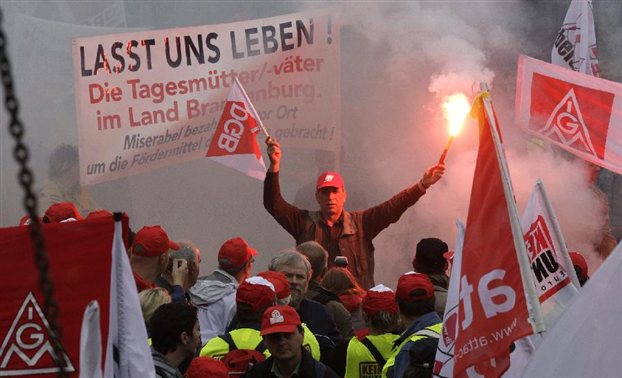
x=553, y=274
x=587, y=338
x=91, y=343
x=127, y=353
x=575, y=45
x=444, y=363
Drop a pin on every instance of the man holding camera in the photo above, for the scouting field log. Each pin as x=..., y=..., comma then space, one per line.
x=340, y=232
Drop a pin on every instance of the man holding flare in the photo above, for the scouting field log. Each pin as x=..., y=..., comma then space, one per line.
x=340, y=232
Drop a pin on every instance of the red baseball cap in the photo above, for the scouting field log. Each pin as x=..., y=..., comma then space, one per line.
x=379, y=299
x=154, y=242
x=579, y=261
x=58, y=212
x=205, y=366
x=99, y=214
x=278, y=319
x=411, y=281
x=234, y=253
x=329, y=180
x=256, y=292
x=278, y=279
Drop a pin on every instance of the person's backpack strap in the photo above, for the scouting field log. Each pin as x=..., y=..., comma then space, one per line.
x=229, y=340
x=374, y=351
x=261, y=347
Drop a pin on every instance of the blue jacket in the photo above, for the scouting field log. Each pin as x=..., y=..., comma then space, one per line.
x=402, y=360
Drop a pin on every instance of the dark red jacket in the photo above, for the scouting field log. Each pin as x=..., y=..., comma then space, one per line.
x=359, y=227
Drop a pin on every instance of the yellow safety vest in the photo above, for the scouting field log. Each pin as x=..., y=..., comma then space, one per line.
x=244, y=338
x=310, y=343
x=360, y=361
x=248, y=338
x=431, y=331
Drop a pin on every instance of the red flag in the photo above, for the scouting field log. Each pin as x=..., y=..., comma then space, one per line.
x=581, y=114
x=234, y=143
x=493, y=308
x=80, y=260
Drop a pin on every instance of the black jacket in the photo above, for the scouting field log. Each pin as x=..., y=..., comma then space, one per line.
x=309, y=368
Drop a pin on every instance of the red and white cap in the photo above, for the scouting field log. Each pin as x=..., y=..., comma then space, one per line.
x=277, y=319
x=329, y=180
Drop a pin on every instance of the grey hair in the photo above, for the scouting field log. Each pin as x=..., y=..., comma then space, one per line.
x=185, y=252
x=317, y=255
x=290, y=257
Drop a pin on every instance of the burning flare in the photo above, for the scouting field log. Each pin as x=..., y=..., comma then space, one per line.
x=455, y=110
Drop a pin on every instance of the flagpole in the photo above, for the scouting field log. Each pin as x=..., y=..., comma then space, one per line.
x=248, y=101
x=534, y=307
x=558, y=233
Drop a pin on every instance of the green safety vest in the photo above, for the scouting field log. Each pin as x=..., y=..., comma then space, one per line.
x=366, y=357
x=248, y=338
x=431, y=331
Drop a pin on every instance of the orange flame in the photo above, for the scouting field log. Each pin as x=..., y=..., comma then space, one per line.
x=456, y=107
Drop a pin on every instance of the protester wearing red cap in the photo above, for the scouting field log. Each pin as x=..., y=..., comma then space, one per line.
x=214, y=295
x=415, y=300
x=580, y=267
x=61, y=212
x=203, y=367
x=253, y=297
x=339, y=231
x=370, y=350
x=297, y=268
x=283, y=298
x=430, y=260
x=149, y=255
x=283, y=335
x=279, y=281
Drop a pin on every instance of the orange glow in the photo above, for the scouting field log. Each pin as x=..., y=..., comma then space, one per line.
x=456, y=107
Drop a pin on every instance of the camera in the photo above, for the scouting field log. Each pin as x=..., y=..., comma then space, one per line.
x=341, y=261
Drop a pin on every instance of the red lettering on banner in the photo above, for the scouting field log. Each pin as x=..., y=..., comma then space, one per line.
x=570, y=114
x=550, y=276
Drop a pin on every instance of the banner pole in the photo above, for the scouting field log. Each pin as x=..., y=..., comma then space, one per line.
x=533, y=302
x=248, y=101
x=558, y=233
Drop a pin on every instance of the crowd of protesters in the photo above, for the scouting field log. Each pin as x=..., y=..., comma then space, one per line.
x=314, y=311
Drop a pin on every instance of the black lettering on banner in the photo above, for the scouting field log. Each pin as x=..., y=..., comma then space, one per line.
x=264, y=39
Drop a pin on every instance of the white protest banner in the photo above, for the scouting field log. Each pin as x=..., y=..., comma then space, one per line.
x=581, y=114
x=150, y=99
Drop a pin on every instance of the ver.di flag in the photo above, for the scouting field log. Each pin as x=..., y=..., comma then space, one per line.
x=553, y=274
x=581, y=114
x=498, y=302
x=575, y=44
x=234, y=143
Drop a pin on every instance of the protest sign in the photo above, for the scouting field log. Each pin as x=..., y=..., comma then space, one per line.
x=150, y=99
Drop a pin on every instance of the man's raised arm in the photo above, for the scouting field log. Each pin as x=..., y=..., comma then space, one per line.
x=288, y=216
x=377, y=218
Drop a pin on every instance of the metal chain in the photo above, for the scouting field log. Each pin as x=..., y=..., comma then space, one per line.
x=26, y=178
